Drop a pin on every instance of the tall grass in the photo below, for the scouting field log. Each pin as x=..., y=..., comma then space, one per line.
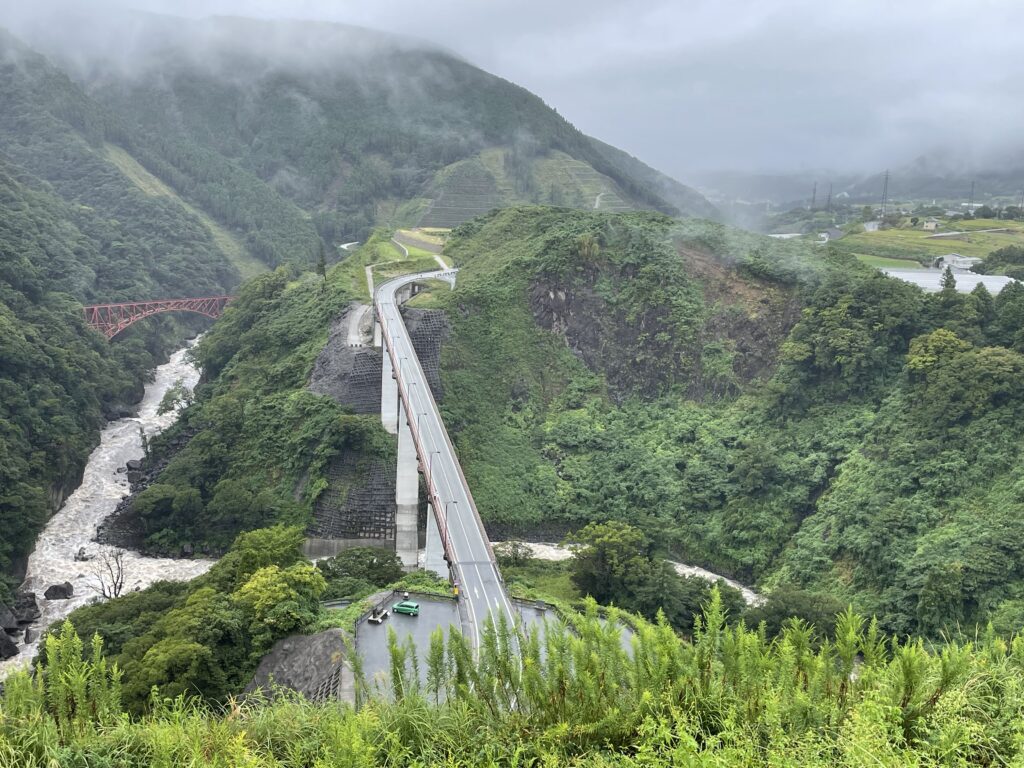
x=730, y=697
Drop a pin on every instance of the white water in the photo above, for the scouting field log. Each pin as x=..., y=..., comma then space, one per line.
x=558, y=552
x=74, y=525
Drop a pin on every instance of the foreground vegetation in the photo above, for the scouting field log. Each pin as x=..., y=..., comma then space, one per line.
x=729, y=697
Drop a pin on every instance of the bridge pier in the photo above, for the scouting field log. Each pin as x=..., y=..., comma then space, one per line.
x=433, y=558
x=377, y=341
x=388, y=396
x=407, y=495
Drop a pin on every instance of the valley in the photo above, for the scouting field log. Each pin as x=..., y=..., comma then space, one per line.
x=497, y=446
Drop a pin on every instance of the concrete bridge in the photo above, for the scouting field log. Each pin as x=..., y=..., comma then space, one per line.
x=457, y=545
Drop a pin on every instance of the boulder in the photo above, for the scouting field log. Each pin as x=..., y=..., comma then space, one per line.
x=134, y=465
x=30, y=636
x=8, y=647
x=59, y=591
x=26, y=608
x=7, y=618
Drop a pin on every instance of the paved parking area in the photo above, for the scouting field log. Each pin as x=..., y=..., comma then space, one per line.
x=372, y=639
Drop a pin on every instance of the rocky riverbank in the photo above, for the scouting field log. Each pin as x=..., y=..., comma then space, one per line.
x=67, y=568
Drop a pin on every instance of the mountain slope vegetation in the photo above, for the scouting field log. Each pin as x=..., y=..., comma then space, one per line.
x=75, y=230
x=774, y=412
x=728, y=697
x=350, y=125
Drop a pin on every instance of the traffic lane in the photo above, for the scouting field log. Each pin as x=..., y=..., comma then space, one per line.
x=467, y=539
x=468, y=542
x=372, y=639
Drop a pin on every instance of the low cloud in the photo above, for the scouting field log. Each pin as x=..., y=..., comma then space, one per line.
x=853, y=85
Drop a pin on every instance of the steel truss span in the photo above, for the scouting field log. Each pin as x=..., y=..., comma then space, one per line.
x=111, y=319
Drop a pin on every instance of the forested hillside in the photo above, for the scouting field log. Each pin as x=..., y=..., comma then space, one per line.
x=74, y=229
x=768, y=410
x=352, y=126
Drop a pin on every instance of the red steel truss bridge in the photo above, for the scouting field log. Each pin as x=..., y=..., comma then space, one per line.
x=111, y=319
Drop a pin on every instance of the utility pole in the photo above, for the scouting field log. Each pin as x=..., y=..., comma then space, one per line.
x=970, y=205
x=885, y=192
x=830, y=197
x=814, y=196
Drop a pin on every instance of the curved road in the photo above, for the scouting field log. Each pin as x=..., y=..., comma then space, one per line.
x=467, y=548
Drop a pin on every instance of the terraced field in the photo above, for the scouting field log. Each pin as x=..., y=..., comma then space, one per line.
x=467, y=190
x=481, y=184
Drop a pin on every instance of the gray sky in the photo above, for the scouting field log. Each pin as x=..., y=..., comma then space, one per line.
x=734, y=84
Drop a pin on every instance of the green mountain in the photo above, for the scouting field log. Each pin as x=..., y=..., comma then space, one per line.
x=75, y=229
x=174, y=158
x=352, y=126
x=760, y=407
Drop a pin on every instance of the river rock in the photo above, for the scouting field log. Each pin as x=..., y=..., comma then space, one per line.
x=30, y=636
x=26, y=608
x=8, y=621
x=134, y=465
x=59, y=591
x=8, y=647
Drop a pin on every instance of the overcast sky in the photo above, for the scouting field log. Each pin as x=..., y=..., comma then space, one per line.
x=729, y=84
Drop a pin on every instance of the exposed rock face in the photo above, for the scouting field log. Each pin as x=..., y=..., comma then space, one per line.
x=59, y=591
x=26, y=609
x=640, y=350
x=8, y=621
x=310, y=664
x=349, y=375
x=428, y=330
x=8, y=647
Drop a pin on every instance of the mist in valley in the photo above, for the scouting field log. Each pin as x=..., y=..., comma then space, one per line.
x=786, y=87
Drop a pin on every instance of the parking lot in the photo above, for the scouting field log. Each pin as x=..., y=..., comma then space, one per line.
x=435, y=611
x=372, y=639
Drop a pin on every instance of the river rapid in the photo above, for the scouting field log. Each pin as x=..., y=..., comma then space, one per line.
x=104, y=484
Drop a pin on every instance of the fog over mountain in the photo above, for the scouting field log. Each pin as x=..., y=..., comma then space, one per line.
x=787, y=85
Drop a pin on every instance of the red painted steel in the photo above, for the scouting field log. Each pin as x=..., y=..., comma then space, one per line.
x=111, y=319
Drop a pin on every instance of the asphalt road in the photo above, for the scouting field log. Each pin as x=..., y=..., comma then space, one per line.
x=480, y=586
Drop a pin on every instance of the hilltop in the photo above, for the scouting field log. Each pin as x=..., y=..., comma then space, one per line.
x=354, y=126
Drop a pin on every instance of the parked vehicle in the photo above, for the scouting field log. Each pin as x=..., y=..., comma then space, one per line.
x=408, y=607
